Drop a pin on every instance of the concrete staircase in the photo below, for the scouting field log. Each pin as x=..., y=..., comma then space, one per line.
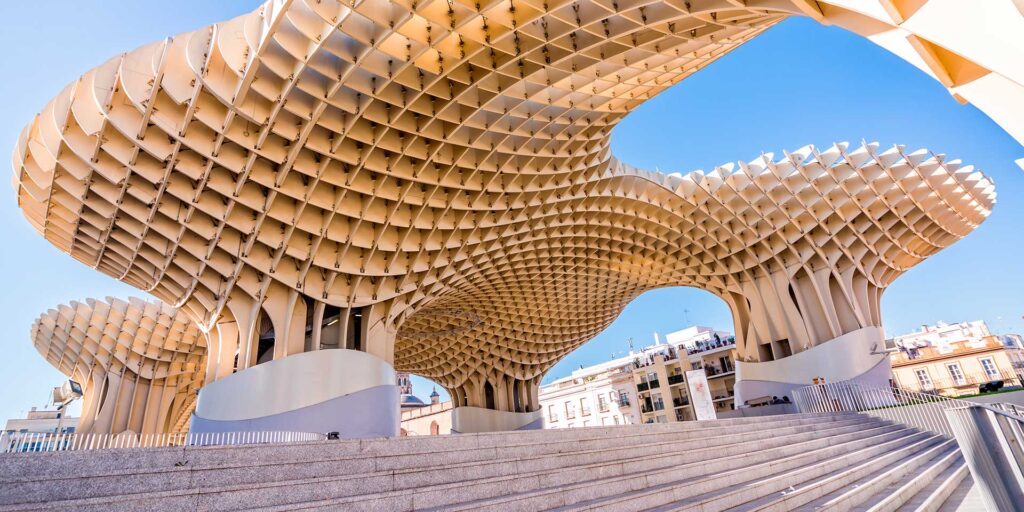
x=840, y=461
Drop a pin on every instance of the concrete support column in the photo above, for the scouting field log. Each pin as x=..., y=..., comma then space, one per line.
x=227, y=336
x=795, y=309
x=246, y=312
x=379, y=332
x=287, y=311
x=318, y=322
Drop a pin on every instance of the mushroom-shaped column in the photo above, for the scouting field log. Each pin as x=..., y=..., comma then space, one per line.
x=140, y=363
x=840, y=225
x=290, y=362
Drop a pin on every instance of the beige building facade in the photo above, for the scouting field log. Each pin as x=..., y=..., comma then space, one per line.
x=431, y=185
x=955, y=360
x=432, y=420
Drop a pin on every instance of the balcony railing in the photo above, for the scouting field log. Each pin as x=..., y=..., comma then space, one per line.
x=623, y=402
x=714, y=370
x=680, y=402
x=675, y=379
x=705, y=346
x=643, y=386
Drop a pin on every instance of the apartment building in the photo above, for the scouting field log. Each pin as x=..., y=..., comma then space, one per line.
x=41, y=422
x=600, y=395
x=647, y=386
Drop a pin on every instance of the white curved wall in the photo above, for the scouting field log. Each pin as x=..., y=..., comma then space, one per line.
x=336, y=390
x=840, y=358
x=848, y=357
x=466, y=420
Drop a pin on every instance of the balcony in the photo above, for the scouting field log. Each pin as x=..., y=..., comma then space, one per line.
x=675, y=379
x=643, y=386
x=680, y=402
x=707, y=346
x=714, y=371
x=623, y=402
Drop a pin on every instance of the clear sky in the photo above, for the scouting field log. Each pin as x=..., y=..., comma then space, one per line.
x=797, y=84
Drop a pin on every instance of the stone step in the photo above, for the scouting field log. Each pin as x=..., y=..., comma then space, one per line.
x=296, y=491
x=524, y=494
x=872, y=481
x=962, y=497
x=915, y=486
x=77, y=464
x=534, y=479
x=745, y=485
x=835, y=462
x=472, y=463
x=834, y=486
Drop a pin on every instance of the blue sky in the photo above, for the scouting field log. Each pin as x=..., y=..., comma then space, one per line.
x=797, y=84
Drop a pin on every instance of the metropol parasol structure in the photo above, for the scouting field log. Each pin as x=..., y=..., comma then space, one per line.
x=324, y=192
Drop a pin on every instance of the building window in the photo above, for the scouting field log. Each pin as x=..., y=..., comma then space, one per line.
x=658, y=404
x=623, y=398
x=924, y=379
x=602, y=403
x=585, y=407
x=552, y=413
x=957, y=374
x=570, y=411
x=990, y=367
x=615, y=419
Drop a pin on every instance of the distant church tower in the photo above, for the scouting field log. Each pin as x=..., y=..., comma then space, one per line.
x=404, y=384
x=406, y=398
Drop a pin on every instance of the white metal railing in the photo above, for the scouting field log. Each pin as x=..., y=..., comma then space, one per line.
x=49, y=442
x=991, y=439
x=923, y=411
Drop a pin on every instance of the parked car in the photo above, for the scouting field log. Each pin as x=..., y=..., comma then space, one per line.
x=990, y=386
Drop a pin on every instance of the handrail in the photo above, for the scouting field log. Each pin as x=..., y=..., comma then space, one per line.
x=920, y=410
x=36, y=442
x=991, y=440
